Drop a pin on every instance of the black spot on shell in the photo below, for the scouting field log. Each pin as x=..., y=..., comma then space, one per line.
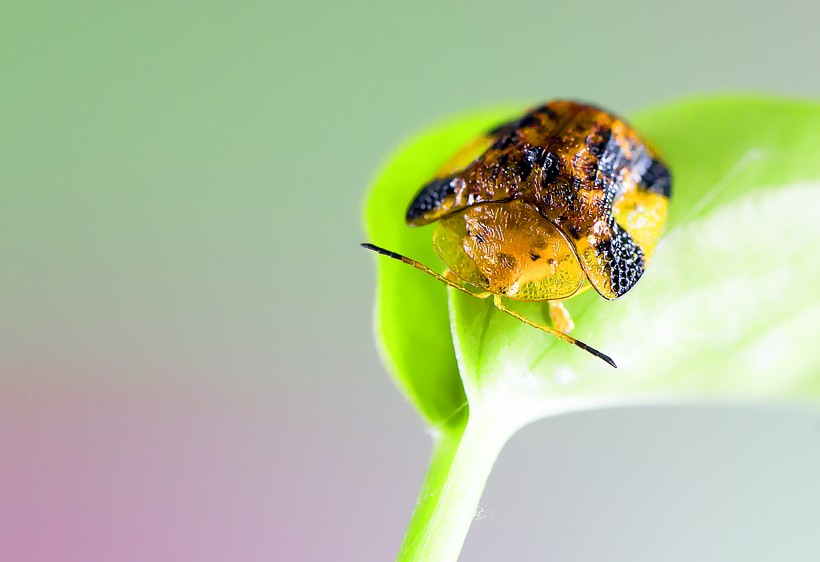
x=528, y=161
x=613, y=160
x=503, y=129
x=597, y=142
x=431, y=197
x=658, y=179
x=529, y=120
x=546, y=111
x=531, y=153
x=552, y=168
x=523, y=168
x=624, y=260
x=505, y=141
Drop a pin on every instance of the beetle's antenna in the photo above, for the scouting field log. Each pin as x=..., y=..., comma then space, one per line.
x=420, y=266
x=557, y=333
x=496, y=301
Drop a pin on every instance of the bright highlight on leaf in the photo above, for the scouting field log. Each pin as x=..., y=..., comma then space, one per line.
x=728, y=308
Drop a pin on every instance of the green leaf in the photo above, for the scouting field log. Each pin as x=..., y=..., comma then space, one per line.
x=728, y=307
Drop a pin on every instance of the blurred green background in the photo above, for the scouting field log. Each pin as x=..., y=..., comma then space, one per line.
x=186, y=363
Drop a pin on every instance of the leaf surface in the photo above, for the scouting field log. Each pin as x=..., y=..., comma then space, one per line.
x=727, y=308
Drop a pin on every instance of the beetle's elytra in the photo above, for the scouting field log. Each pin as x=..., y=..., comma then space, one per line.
x=541, y=208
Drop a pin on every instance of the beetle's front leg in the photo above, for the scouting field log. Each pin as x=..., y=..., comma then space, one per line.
x=559, y=315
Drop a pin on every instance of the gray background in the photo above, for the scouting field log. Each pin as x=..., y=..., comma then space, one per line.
x=186, y=364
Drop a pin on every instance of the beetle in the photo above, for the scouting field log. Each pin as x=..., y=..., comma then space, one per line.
x=541, y=208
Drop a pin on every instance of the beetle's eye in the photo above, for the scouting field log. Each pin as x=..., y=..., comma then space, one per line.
x=534, y=256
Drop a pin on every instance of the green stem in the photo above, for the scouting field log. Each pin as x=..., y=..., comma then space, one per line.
x=462, y=459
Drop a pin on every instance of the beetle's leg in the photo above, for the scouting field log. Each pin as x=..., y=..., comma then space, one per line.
x=559, y=315
x=447, y=279
x=451, y=275
x=558, y=334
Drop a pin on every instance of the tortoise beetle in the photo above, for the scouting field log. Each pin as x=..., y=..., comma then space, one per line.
x=542, y=208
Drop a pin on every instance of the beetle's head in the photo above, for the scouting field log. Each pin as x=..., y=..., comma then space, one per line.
x=508, y=249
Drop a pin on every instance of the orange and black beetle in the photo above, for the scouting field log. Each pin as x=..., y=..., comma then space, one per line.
x=541, y=208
